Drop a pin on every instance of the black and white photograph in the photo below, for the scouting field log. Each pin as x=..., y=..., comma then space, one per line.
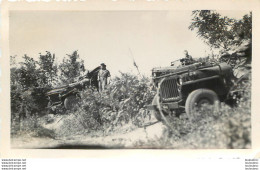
x=130, y=79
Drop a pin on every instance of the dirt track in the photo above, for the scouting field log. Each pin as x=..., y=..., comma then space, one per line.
x=124, y=138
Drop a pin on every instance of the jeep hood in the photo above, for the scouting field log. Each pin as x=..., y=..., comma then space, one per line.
x=172, y=69
x=57, y=90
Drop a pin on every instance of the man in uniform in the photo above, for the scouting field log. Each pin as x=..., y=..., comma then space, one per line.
x=103, y=76
x=188, y=59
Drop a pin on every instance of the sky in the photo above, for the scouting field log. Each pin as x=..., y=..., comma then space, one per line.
x=155, y=38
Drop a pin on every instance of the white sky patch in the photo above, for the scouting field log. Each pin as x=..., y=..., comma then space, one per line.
x=155, y=37
x=233, y=14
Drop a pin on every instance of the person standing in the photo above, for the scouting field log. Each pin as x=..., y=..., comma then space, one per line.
x=103, y=77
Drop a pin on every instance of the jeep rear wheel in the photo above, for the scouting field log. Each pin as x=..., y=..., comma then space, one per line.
x=71, y=102
x=197, y=99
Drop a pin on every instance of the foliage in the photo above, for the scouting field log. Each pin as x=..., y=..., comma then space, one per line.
x=30, y=80
x=25, y=83
x=48, y=68
x=219, y=31
x=27, y=75
x=232, y=37
x=71, y=67
x=123, y=102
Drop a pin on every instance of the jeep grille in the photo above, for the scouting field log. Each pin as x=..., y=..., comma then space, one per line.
x=170, y=90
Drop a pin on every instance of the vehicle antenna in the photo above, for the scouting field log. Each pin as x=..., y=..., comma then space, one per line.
x=136, y=66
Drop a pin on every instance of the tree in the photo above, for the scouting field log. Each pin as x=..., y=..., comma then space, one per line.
x=232, y=37
x=48, y=68
x=30, y=80
x=28, y=73
x=221, y=32
x=24, y=78
x=71, y=67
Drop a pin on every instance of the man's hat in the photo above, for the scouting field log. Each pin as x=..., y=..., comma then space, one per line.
x=102, y=64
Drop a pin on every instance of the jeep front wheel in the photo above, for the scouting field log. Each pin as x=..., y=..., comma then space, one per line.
x=197, y=99
x=71, y=102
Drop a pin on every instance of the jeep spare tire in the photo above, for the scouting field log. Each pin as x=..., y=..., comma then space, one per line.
x=71, y=102
x=197, y=99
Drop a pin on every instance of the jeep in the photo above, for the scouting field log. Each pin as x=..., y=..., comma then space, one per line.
x=189, y=86
x=68, y=95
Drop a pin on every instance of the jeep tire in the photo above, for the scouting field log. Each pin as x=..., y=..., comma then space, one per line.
x=197, y=98
x=70, y=102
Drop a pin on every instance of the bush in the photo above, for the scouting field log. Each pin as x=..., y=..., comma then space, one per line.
x=123, y=102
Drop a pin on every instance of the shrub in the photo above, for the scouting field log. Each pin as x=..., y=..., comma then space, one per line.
x=123, y=102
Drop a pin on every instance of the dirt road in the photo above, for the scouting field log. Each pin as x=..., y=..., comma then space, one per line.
x=124, y=138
